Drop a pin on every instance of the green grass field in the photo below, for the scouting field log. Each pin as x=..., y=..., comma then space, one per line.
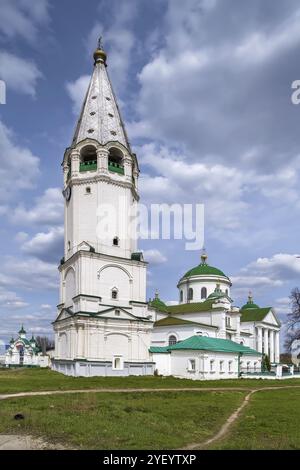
x=270, y=421
x=163, y=420
x=147, y=420
x=25, y=380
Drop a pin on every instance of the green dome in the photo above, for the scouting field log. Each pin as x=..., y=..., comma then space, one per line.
x=217, y=293
x=203, y=269
x=22, y=331
x=157, y=303
x=249, y=304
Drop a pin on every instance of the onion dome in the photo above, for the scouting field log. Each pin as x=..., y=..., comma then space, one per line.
x=217, y=293
x=250, y=303
x=157, y=303
x=22, y=331
x=203, y=269
x=99, y=54
x=12, y=340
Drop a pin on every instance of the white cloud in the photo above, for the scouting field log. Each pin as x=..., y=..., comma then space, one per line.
x=281, y=266
x=77, y=91
x=21, y=237
x=46, y=246
x=219, y=187
x=46, y=307
x=23, y=18
x=10, y=300
x=266, y=273
x=19, y=167
x=30, y=274
x=154, y=257
x=19, y=74
x=48, y=210
x=261, y=46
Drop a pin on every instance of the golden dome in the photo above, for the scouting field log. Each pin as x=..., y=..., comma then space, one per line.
x=99, y=54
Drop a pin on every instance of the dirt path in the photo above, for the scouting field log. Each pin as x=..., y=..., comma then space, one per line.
x=123, y=390
x=224, y=430
x=20, y=442
x=15, y=442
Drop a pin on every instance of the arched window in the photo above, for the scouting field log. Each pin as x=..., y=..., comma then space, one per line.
x=115, y=161
x=118, y=363
x=172, y=340
x=114, y=293
x=226, y=291
x=88, y=158
x=116, y=241
x=203, y=293
x=181, y=296
x=191, y=294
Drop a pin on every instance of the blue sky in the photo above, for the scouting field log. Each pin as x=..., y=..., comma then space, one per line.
x=205, y=92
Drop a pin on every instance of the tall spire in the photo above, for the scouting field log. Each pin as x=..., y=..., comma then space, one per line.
x=100, y=117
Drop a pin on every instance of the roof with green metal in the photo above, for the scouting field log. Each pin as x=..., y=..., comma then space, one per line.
x=158, y=304
x=254, y=314
x=159, y=349
x=191, y=307
x=204, y=343
x=204, y=269
x=168, y=321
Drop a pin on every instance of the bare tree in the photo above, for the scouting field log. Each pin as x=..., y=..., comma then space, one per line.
x=293, y=324
x=44, y=343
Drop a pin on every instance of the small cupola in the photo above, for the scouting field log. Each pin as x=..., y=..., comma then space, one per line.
x=100, y=54
x=250, y=304
x=22, y=332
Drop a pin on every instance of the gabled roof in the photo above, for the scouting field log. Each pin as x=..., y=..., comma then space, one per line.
x=169, y=321
x=204, y=343
x=100, y=118
x=254, y=314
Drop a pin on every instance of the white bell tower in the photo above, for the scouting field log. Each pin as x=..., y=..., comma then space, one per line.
x=103, y=316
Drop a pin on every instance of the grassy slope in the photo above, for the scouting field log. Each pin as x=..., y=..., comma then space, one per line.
x=270, y=421
x=132, y=421
x=24, y=380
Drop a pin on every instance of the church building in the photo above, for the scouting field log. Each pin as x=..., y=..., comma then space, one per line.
x=22, y=351
x=104, y=324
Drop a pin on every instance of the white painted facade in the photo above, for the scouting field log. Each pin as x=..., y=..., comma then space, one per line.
x=103, y=326
x=198, y=283
x=202, y=365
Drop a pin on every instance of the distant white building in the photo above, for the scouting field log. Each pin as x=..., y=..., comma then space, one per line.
x=24, y=352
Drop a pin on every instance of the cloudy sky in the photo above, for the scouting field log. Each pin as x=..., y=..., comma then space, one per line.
x=205, y=92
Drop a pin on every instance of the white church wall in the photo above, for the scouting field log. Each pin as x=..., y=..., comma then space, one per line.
x=161, y=334
x=70, y=287
x=197, y=283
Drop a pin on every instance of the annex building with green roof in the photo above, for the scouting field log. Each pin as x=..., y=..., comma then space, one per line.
x=24, y=352
x=205, y=335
